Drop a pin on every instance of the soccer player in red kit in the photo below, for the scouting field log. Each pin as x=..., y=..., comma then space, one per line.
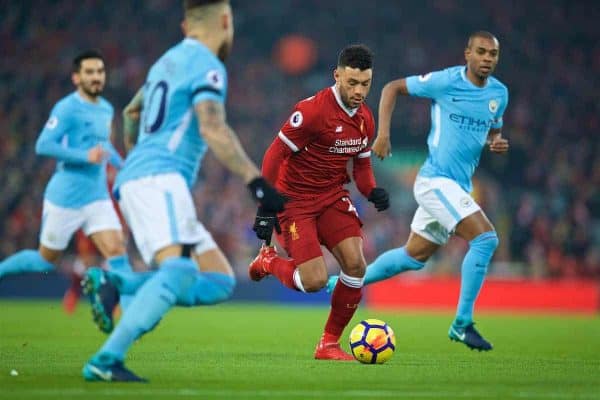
x=307, y=162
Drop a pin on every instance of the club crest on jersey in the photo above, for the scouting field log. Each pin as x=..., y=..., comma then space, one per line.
x=466, y=202
x=294, y=231
x=215, y=79
x=52, y=122
x=493, y=106
x=296, y=119
x=424, y=77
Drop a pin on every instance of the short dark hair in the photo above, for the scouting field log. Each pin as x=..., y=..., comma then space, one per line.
x=481, y=34
x=85, y=55
x=356, y=56
x=189, y=4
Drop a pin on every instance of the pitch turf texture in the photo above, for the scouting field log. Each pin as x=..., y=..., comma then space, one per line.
x=258, y=351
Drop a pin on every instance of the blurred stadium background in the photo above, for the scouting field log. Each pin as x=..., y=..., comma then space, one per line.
x=544, y=197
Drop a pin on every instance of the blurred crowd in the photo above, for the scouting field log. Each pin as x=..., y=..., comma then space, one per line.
x=544, y=197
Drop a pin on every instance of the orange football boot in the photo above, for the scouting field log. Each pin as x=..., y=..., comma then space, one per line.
x=331, y=351
x=259, y=266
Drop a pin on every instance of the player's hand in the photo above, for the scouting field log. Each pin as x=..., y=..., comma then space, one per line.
x=96, y=154
x=264, y=223
x=499, y=145
x=268, y=198
x=382, y=146
x=380, y=199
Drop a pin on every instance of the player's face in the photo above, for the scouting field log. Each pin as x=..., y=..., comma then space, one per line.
x=353, y=84
x=227, y=44
x=91, y=77
x=482, y=56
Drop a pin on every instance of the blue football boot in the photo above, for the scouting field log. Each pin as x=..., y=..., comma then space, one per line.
x=331, y=282
x=469, y=336
x=103, y=296
x=105, y=368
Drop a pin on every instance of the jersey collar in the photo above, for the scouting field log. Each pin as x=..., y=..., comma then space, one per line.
x=350, y=111
x=463, y=74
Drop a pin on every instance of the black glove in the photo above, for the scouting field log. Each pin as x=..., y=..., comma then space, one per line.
x=264, y=223
x=266, y=195
x=380, y=198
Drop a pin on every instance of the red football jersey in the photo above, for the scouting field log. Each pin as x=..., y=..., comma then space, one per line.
x=323, y=135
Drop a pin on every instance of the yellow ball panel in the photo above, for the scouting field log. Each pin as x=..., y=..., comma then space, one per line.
x=384, y=356
x=362, y=354
x=357, y=333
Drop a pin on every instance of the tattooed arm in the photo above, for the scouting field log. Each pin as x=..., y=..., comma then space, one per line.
x=131, y=120
x=223, y=141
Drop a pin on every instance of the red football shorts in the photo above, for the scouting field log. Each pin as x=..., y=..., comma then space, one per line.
x=306, y=226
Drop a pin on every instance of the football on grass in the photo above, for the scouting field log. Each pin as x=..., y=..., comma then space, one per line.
x=372, y=341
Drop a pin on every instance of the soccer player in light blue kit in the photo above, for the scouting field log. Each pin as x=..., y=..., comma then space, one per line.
x=77, y=135
x=182, y=115
x=466, y=113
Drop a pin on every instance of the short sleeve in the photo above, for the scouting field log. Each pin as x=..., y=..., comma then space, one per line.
x=498, y=120
x=210, y=85
x=300, y=128
x=430, y=85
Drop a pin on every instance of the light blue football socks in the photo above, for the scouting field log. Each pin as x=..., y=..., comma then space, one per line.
x=121, y=264
x=177, y=282
x=153, y=299
x=474, y=269
x=24, y=261
x=391, y=263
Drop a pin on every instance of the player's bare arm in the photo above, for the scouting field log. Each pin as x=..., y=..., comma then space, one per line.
x=497, y=143
x=382, y=146
x=131, y=120
x=223, y=141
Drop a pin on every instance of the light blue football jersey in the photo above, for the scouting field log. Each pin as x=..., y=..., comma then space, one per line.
x=74, y=127
x=461, y=116
x=169, y=139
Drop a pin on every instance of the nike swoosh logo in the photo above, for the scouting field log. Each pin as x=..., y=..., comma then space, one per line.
x=107, y=376
x=460, y=336
x=454, y=99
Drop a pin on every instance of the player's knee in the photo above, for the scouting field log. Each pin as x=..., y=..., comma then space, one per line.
x=314, y=282
x=114, y=248
x=485, y=245
x=355, y=268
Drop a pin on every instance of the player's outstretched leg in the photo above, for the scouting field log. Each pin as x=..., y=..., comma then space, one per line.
x=177, y=282
x=474, y=269
x=344, y=302
x=108, y=369
x=24, y=261
x=103, y=296
x=388, y=264
x=121, y=263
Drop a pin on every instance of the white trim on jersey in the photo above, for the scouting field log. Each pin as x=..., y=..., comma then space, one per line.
x=178, y=133
x=349, y=111
x=437, y=122
x=287, y=141
x=364, y=155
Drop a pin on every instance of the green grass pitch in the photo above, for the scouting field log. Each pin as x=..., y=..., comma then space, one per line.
x=260, y=351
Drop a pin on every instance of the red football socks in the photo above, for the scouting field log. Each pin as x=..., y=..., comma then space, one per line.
x=344, y=303
x=284, y=271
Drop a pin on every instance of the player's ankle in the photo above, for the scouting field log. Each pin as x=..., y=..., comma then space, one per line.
x=330, y=337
